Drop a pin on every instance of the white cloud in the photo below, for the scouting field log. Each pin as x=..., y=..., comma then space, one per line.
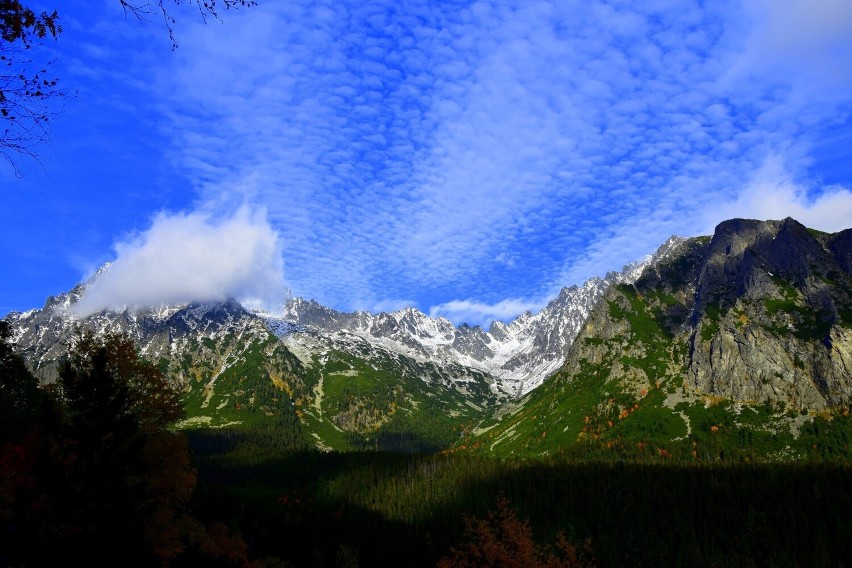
x=478, y=313
x=193, y=257
x=806, y=40
x=773, y=194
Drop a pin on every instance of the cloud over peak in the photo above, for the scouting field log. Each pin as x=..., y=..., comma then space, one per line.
x=186, y=257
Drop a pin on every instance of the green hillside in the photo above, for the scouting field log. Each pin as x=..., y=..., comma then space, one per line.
x=633, y=402
x=642, y=381
x=337, y=400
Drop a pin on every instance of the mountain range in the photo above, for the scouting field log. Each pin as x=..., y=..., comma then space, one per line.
x=518, y=355
x=750, y=329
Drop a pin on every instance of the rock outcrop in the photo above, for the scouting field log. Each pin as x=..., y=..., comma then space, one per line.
x=761, y=312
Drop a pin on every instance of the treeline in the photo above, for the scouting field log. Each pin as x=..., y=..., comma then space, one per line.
x=312, y=509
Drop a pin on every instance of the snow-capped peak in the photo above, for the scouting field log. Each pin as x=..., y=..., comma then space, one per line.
x=519, y=354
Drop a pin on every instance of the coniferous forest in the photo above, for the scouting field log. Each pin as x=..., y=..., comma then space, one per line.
x=92, y=473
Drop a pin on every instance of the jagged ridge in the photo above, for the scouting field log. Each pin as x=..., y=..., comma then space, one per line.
x=519, y=355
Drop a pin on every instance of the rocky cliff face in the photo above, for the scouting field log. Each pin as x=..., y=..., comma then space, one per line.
x=735, y=345
x=762, y=312
x=772, y=319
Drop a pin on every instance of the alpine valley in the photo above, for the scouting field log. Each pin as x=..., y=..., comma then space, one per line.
x=739, y=343
x=689, y=410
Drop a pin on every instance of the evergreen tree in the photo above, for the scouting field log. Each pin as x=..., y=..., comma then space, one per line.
x=20, y=397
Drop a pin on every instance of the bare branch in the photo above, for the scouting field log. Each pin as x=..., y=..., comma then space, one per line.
x=27, y=98
x=206, y=9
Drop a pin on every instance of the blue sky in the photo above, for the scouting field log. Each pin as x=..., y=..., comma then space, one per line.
x=469, y=159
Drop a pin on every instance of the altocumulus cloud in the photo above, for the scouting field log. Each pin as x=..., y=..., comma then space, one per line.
x=457, y=154
x=188, y=257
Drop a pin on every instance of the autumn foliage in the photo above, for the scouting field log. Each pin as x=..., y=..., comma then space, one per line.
x=502, y=540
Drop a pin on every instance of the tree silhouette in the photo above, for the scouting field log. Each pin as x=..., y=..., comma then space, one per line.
x=25, y=92
x=20, y=397
x=90, y=472
x=128, y=476
x=143, y=9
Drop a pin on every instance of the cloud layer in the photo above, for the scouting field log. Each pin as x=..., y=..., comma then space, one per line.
x=773, y=194
x=190, y=257
x=436, y=151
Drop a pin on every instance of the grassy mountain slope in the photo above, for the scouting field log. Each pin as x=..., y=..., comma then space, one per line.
x=698, y=359
x=358, y=398
x=366, y=397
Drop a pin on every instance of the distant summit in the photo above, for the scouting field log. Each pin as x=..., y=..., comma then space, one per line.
x=519, y=354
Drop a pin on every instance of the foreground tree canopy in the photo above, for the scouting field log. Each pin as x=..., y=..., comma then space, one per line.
x=90, y=468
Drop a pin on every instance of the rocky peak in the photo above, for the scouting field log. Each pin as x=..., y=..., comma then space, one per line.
x=840, y=245
x=498, y=330
x=761, y=312
x=519, y=354
x=745, y=257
